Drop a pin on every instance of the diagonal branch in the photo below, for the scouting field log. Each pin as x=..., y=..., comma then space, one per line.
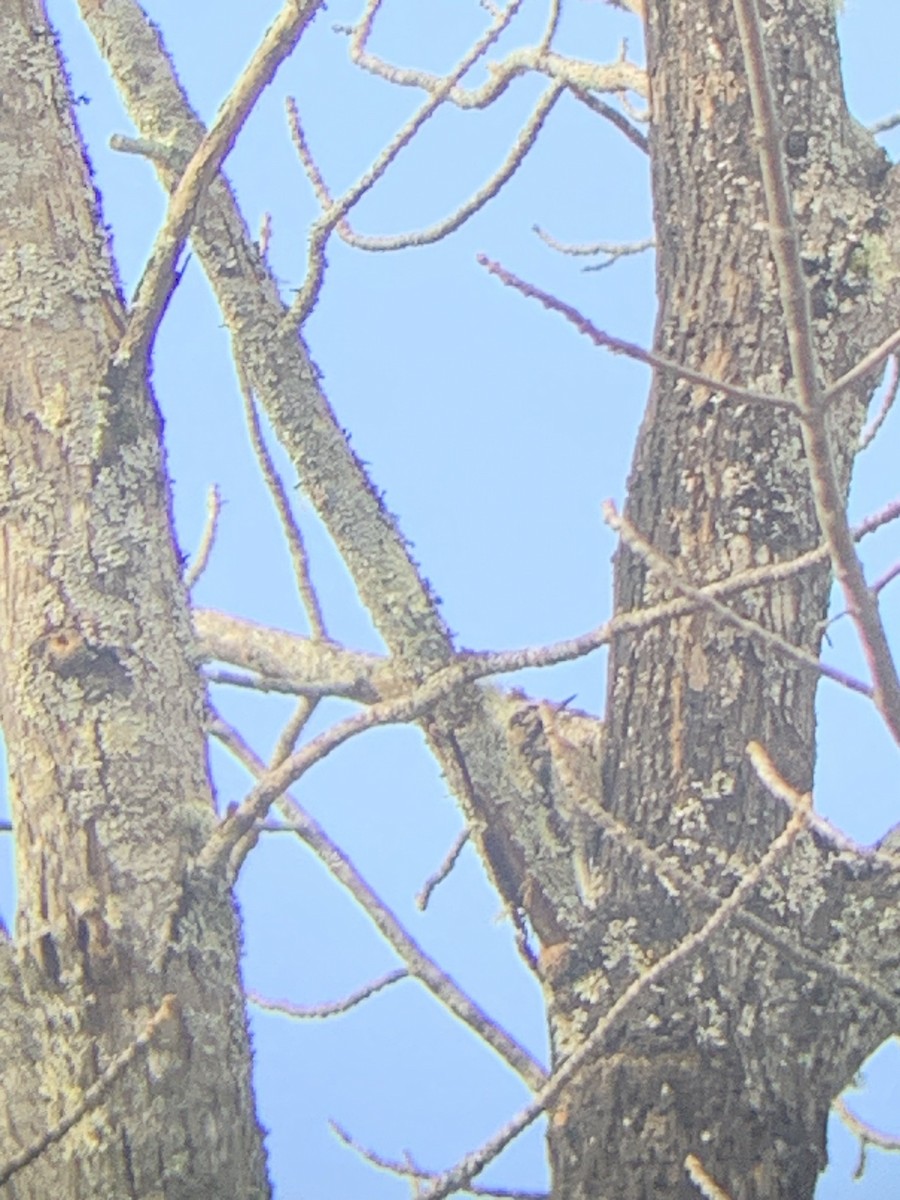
x=454, y=1179
x=785, y=243
x=323, y=227
x=617, y=346
x=670, y=574
x=158, y=280
x=434, y=233
x=417, y=962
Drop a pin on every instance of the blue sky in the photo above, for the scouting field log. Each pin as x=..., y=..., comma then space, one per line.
x=496, y=433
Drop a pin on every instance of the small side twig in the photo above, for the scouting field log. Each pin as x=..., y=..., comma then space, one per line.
x=323, y=227
x=867, y=1134
x=407, y=1169
x=885, y=124
x=443, y=870
x=621, y=122
x=613, y=250
x=465, y=1170
x=293, y=727
x=868, y=435
x=418, y=963
x=618, y=346
x=704, y=1182
x=433, y=233
x=334, y=1008
x=204, y=550
x=292, y=532
x=158, y=278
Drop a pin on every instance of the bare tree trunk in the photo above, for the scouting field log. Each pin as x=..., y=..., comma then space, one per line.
x=737, y=1059
x=103, y=715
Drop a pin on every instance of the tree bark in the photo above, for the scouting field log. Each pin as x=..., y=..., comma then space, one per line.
x=103, y=715
x=737, y=1058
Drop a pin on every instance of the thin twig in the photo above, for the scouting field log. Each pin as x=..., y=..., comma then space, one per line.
x=883, y=580
x=93, y=1095
x=408, y=1170
x=613, y=250
x=868, y=435
x=158, y=278
x=618, y=346
x=204, y=550
x=334, y=1008
x=443, y=870
x=263, y=683
x=291, y=529
x=785, y=244
x=581, y=76
x=699, y=1176
x=668, y=572
x=885, y=124
x=572, y=1067
x=357, y=676
x=863, y=1130
x=418, y=963
x=866, y=364
x=621, y=122
x=434, y=233
x=293, y=727
x=322, y=228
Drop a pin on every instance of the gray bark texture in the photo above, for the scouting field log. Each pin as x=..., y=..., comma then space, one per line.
x=103, y=716
x=612, y=841
x=737, y=1059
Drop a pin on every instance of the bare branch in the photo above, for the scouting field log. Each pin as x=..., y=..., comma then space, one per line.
x=705, y=1183
x=289, y=735
x=292, y=532
x=322, y=228
x=867, y=1134
x=418, y=963
x=433, y=233
x=865, y=365
x=785, y=243
x=618, y=346
x=158, y=279
x=659, y=564
x=869, y=434
x=290, y=663
x=204, y=550
x=602, y=109
x=408, y=1170
x=306, y=665
x=443, y=870
x=613, y=250
x=618, y=77
x=885, y=124
x=310, y=1012
x=571, y=1067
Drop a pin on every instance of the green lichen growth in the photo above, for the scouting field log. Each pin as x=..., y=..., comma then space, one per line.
x=873, y=261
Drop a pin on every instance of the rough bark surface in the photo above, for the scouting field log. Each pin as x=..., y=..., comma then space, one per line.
x=103, y=716
x=737, y=1059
